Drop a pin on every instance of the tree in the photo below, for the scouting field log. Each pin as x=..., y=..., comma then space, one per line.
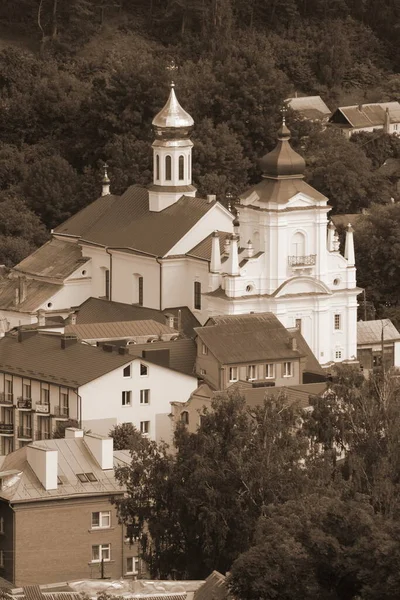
x=126, y=436
x=61, y=426
x=184, y=507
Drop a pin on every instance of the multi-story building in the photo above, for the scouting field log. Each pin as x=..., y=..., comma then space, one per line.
x=57, y=522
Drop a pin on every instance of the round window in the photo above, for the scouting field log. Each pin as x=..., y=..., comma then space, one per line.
x=336, y=281
x=49, y=304
x=249, y=288
x=84, y=272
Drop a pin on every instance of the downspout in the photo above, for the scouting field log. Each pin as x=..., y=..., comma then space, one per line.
x=13, y=544
x=79, y=407
x=111, y=276
x=160, y=281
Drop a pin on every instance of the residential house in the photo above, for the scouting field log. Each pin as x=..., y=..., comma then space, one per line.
x=376, y=339
x=47, y=378
x=255, y=348
x=379, y=116
x=312, y=108
x=56, y=517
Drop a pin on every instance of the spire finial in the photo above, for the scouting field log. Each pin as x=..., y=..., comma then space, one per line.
x=172, y=68
x=283, y=111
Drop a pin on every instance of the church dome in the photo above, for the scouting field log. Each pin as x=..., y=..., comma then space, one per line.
x=172, y=120
x=283, y=162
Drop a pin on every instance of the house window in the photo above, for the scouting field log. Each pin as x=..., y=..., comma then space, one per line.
x=233, y=374
x=101, y=552
x=203, y=372
x=185, y=417
x=144, y=396
x=27, y=391
x=64, y=403
x=297, y=324
x=157, y=167
x=197, y=295
x=144, y=427
x=288, y=369
x=101, y=520
x=168, y=168
x=144, y=370
x=9, y=389
x=127, y=371
x=107, y=283
x=140, y=291
x=126, y=398
x=338, y=354
x=132, y=564
x=269, y=371
x=204, y=349
x=45, y=395
x=181, y=167
x=337, y=322
x=251, y=372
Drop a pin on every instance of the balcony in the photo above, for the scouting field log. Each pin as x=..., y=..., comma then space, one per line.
x=42, y=435
x=42, y=408
x=62, y=412
x=302, y=262
x=24, y=403
x=6, y=398
x=6, y=429
x=25, y=433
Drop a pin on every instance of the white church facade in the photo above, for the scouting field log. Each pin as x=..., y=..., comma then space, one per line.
x=162, y=246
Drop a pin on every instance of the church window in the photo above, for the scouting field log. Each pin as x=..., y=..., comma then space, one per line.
x=181, y=167
x=185, y=417
x=140, y=291
x=337, y=322
x=197, y=295
x=338, y=354
x=298, y=244
x=168, y=168
x=157, y=167
x=107, y=283
x=297, y=324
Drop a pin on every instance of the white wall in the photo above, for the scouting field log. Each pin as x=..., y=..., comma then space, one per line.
x=125, y=270
x=178, y=280
x=102, y=398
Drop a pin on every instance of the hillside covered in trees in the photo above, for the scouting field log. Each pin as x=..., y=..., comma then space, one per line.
x=80, y=82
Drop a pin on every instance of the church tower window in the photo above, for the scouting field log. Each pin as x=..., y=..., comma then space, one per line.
x=168, y=168
x=197, y=295
x=181, y=167
x=298, y=244
x=157, y=167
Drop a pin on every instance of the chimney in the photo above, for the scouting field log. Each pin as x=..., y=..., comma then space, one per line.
x=293, y=343
x=179, y=320
x=67, y=341
x=73, y=432
x=102, y=449
x=211, y=198
x=215, y=265
x=360, y=107
x=41, y=317
x=232, y=264
x=349, y=247
x=44, y=463
x=24, y=334
x=16, y=296
x=331, y=235
x=71, y=319
x=22, y=289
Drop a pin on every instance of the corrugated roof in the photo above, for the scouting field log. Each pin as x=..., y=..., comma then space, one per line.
x=214, y=588
x=37, y=292
x=279, y=191
x=244, y=338
x=370, y=332
x=311, y=107
x=119, y=330
x=296, y=394
x=181, y=354
x=88, y=216
x=203, y=249
x=370, y=115
x=40, y=356
x=128, y=223
x=56, y=259
x=73, y=457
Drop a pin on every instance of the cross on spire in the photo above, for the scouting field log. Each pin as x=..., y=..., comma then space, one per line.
x=283, y=111
x=172, y=68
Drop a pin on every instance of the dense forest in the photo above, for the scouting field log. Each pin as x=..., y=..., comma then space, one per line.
x=80, y=82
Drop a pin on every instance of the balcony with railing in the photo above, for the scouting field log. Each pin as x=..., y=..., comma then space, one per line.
x=25, y=433
x=42, y=435
x=62, y=412
x=6, y=429
x=24, y=403
x=6, y=398
x=42, y=408
x=302, y=262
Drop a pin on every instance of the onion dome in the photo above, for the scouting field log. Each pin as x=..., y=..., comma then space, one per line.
x=172, y=121
x=283, y=162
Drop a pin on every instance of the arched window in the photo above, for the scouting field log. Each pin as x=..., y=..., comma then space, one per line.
x=157, y=167
x=168, y=168
x=298, y=244
x=181, y=167
x=185, y=417
x=137, y=291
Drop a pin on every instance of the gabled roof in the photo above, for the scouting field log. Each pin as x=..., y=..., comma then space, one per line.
x=179, y=355
x=57, y=259
x=310, y=107
x=128, y=223
x=203, y=249
x=370, y=332
x=280, y=191
x=37, y=292
x=369, y=115
x=73, y=457
x=40, y=356
x=244, y=338
x=119, y=330
x=214, y=588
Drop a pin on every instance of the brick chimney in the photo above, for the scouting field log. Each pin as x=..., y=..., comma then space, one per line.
x=67, y=341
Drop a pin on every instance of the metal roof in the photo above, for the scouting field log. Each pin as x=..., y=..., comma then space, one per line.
x=119, y=330
x=203, y=249
x=280, y=191
x=129, y=223
x=179, y=355
x=37, y=292
x=370, y=332
x=312, y=107
x=56, y=260
x=369, y=115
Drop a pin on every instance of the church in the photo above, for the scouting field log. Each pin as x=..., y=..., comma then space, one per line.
x=162, y=246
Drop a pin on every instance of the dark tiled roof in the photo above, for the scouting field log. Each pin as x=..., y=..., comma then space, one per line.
x=97, y=310
x=56, y=259
x=128, y=223
x=203, y=249
x=119, y=330
x=79, y=223
x=296, y=394
x=40, y=356
x=214, y=588
x=37, y=292
x=280, y=191
x=180, y=355
x=243, y=338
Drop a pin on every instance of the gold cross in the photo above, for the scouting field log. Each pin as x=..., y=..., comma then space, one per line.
x=172, y=68
x=283, y=111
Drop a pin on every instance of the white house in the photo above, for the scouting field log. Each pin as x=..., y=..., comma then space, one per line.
x=162, y=246
x=46, y=378
x=383, y=116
